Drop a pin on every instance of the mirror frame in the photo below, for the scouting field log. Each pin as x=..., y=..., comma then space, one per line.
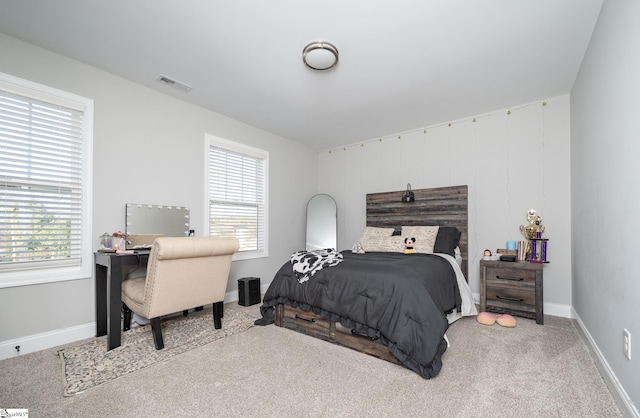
x=169, y=221
x=329, y=222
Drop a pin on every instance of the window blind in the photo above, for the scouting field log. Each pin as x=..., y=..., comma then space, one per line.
x=236, y=190
x=41, y=155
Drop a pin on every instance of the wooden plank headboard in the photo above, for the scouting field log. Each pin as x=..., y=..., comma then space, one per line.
x=440, y=206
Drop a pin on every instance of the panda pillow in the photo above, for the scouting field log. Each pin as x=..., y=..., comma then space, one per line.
x=425, y=237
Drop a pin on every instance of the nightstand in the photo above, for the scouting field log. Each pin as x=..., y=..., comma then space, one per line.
x=512, y=288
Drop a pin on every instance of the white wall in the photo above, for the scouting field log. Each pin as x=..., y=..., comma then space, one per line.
x=511, y=163
x=148, y=148
x=605, y=147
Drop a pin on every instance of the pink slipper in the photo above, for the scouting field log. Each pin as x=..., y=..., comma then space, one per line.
x=486, y=318
x=506, y=320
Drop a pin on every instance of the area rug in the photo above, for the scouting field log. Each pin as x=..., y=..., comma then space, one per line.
x=90, y=364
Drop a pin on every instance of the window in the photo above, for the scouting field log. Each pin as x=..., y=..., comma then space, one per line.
x=45, y=178
x=237, y=195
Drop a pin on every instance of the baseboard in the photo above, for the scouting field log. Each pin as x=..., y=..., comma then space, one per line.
x=233, y=296
x=45, y=340
x=50, y=339
x=558, y=309
x=37, y=342
x=613, y=380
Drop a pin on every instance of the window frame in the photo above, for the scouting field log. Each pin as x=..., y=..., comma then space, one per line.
x=49, y=274
x=215, y=141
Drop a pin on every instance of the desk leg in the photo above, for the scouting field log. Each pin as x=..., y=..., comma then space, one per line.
x=114, y=298
x=101, y=300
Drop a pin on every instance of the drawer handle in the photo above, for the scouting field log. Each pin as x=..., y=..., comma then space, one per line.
x=312, y=320
x=357, y=334
x=517, y=279
x=511, y=299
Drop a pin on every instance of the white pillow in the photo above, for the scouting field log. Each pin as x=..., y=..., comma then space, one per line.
x=369, y=232
x=425, y=237
x=393, y=244
x=374, y=231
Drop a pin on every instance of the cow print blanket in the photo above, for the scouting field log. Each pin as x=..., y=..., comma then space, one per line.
x=307, y=263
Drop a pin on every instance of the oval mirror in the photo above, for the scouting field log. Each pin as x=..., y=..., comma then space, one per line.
x=322, y=223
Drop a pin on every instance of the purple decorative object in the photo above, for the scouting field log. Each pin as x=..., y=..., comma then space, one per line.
x=543, y=251
x=534, y=251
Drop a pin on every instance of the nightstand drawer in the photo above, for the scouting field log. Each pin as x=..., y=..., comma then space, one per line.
x=509, y=277
x=508, y=296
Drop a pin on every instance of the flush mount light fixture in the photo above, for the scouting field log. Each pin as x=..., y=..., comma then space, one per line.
x=320, y=55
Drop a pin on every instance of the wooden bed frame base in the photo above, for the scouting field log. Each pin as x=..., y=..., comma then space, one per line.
x=443, y=206
x=310, y=324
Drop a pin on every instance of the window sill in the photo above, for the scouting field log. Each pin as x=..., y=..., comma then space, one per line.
x=50, y=275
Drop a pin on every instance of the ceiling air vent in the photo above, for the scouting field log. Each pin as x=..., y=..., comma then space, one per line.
x=173, y=83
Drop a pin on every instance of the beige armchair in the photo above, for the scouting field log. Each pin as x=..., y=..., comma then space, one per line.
x=182, y=273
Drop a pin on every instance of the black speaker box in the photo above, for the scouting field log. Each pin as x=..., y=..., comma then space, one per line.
x=248, y=291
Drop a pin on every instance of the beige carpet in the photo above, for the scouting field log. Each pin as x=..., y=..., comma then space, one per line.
x=527, y=371
x=89, y=364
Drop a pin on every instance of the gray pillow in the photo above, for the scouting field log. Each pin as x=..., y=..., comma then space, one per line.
x=447, y=240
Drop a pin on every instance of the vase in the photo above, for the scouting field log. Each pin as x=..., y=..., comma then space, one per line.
x=105, y=241
x=118, y=244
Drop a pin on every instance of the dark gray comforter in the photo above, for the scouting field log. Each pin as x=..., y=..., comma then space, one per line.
x=400, y=298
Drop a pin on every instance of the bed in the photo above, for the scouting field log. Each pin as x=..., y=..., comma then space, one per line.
x=378, y=300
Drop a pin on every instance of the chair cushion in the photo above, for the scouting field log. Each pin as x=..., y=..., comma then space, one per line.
x=138, y=272
x=134, y=289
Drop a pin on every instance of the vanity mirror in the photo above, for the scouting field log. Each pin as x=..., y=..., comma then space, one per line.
x=152, y=221
x=322, y=223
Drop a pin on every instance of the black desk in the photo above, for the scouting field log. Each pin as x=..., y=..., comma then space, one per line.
x=108, y=293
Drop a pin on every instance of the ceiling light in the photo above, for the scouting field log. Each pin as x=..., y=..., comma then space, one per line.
x=320, y=55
